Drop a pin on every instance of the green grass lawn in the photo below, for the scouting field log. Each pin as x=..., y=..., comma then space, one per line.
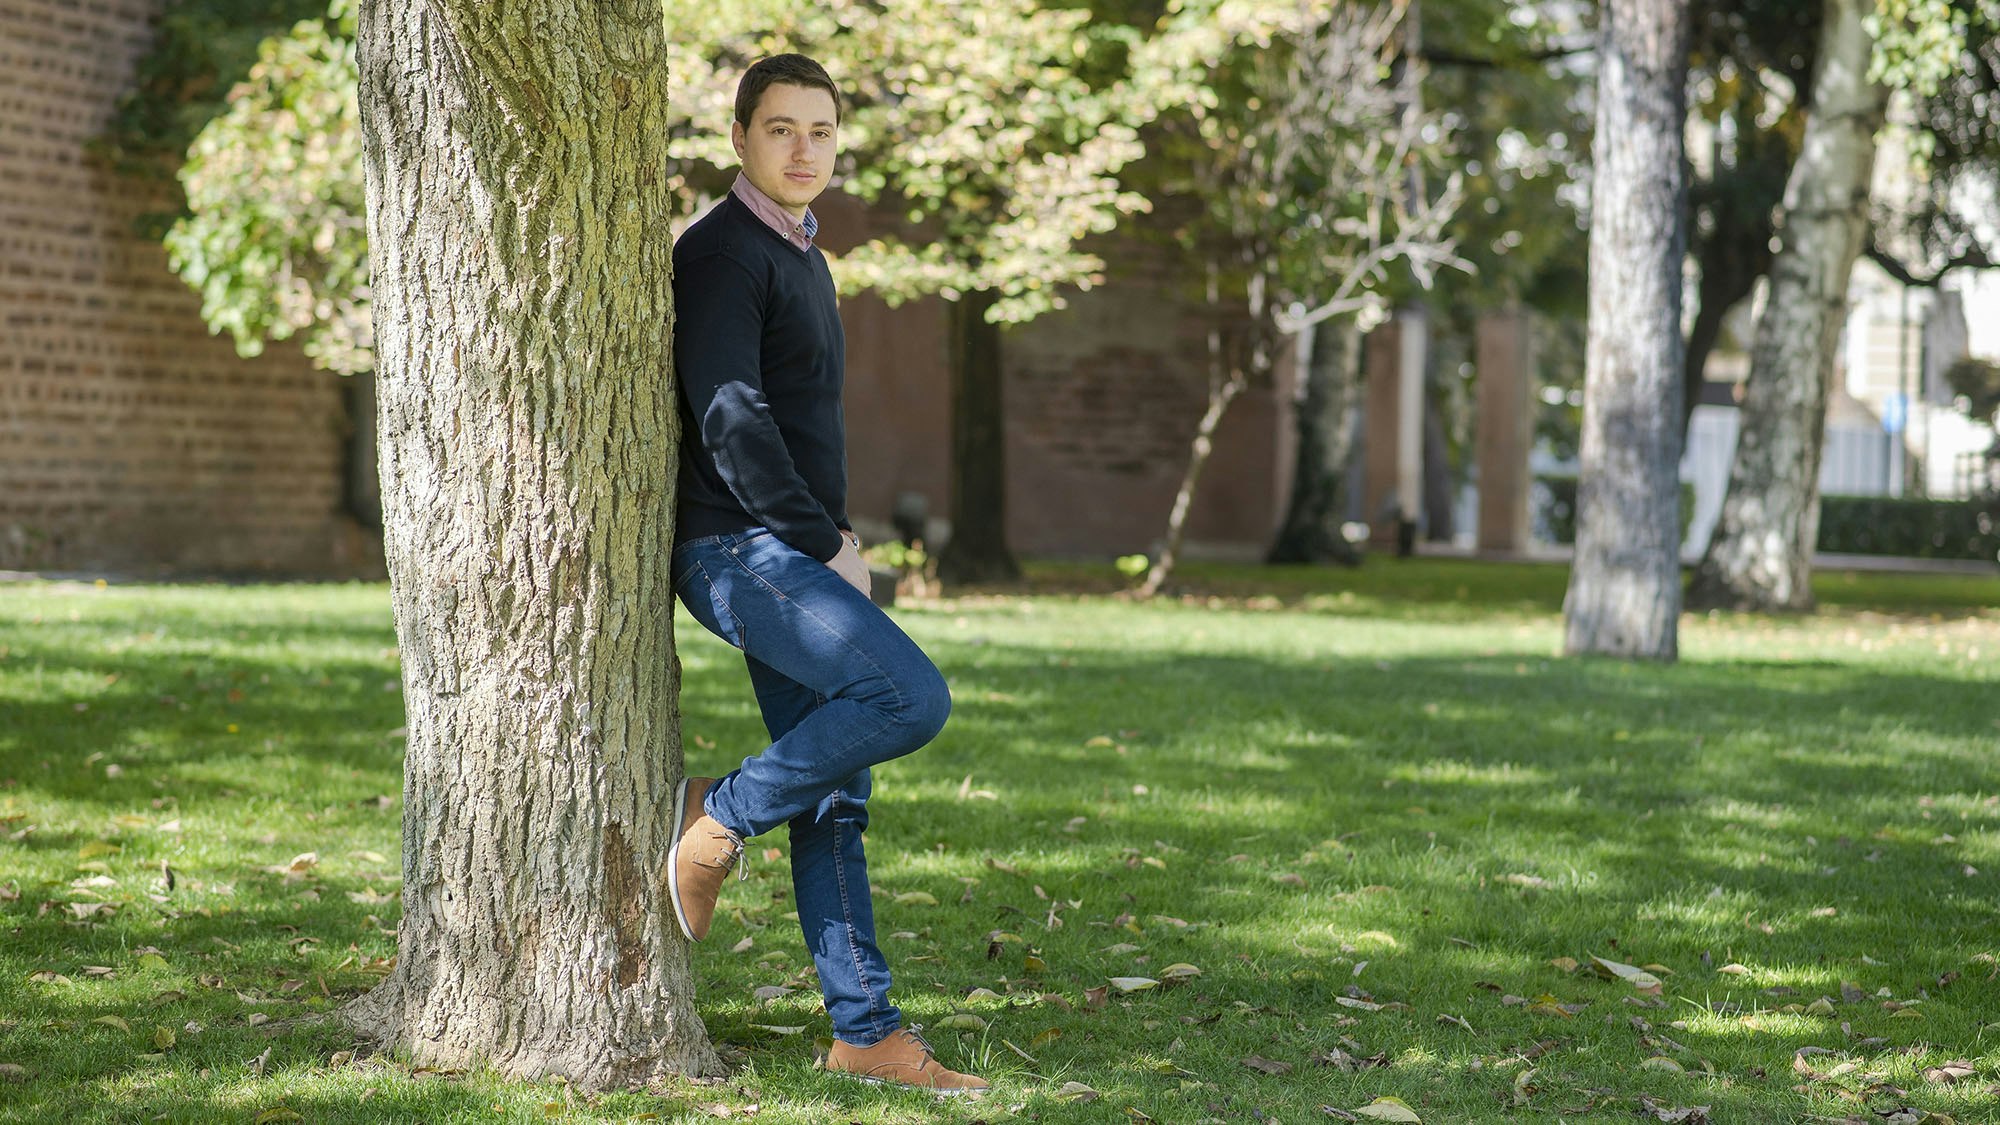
x=1375, y=810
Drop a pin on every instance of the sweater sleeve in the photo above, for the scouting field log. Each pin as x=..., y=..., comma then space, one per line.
x=718, y=334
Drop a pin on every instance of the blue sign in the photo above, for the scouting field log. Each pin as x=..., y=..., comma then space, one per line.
x=1895, y=412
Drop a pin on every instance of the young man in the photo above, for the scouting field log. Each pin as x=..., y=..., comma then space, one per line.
x=764, y=558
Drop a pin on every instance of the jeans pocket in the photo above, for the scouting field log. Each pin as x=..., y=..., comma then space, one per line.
x=719, y=619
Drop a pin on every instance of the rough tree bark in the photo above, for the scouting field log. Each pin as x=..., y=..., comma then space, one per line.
x=977, y=550
x=1625, y=594
x=1329, y=398
x=1760, y=556
x=521, y=255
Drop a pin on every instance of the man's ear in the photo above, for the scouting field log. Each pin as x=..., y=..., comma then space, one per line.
x=737, y=137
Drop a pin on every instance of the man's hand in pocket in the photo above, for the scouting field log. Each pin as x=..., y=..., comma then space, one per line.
x=849, y=565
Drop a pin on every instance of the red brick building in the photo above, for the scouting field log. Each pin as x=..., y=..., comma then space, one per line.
x=132, y=441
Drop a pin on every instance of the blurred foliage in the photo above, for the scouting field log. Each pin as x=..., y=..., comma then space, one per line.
x=200, y=50
x=995, y=200
x=1948, y=57
x=275, y=239
x=1978, y=381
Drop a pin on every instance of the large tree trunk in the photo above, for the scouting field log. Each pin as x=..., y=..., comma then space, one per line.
x=1760, y=556
x=521, y=253
x=977, y=550
x=1624, y=595
x=1329, y=398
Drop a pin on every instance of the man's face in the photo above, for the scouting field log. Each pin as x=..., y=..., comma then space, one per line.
x=789, y=149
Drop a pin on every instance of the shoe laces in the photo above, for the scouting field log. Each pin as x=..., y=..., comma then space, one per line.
x=912, y=1030
x=732, y=854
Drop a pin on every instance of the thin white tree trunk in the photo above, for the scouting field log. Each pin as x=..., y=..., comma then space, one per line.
x=521, y=250
x=1760, y=556
x=1227, y=378
x=1220, y=395
x=1624, y=595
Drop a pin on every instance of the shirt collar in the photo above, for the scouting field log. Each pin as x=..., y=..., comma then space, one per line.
x=798, y=232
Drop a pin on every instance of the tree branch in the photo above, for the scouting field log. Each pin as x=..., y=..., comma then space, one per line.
x=1521, y=61
x=1975, y=257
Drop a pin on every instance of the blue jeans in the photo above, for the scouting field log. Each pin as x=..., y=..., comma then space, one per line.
x=841, y=689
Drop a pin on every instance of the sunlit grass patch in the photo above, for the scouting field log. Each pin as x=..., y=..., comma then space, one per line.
x=1374, y=811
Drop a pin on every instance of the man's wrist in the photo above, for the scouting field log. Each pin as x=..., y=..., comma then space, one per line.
x=853, y=540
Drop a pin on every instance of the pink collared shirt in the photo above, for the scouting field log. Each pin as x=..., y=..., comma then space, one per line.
x=798, y=232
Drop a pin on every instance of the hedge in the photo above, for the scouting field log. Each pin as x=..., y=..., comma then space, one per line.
x=1910, y=528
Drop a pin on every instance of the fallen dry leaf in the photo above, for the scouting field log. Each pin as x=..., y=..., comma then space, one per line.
x=1133, y=984
x=1957, y=1070
x=1548, y=1005
x=1388, y=1109
x=1266, y=1066
x=1680, y=1115
x=1638, y=978
x=1076, y=1092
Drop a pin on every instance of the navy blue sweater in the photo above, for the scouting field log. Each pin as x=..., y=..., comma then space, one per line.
x=759, y=352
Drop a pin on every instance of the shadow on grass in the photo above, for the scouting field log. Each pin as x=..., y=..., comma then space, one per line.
x=1648, y=814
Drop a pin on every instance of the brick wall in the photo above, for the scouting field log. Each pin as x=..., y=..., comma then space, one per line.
x=130, y=439
x=1101, y=399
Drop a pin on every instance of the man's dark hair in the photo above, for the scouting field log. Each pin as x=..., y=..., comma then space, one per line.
x=789, y=70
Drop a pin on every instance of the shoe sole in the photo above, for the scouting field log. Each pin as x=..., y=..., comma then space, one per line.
x=933, y=1091
x=674, y=860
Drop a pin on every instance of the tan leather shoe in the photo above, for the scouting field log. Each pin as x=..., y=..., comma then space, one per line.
x=699, y=860
x=903, y=1059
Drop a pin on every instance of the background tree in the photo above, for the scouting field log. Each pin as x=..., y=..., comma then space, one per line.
x=521, y=247
x=1509, y=82
x=1760, y=554
x=1308, y=165
x=1001, y=163
x=1938, y=229
x=1751, y=65
x=1625, y=593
